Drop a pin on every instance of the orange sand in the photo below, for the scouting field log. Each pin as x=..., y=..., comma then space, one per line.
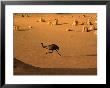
x=78, y=49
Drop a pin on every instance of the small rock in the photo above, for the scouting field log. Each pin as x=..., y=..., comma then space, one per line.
x=85, y=29
x=75, y=23
x=69, y=30
x=41, y=20
x=91, y=27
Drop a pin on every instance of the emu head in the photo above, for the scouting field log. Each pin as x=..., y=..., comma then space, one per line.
x=43, y=45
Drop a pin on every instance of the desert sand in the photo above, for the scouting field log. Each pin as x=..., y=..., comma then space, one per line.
x=78, y=49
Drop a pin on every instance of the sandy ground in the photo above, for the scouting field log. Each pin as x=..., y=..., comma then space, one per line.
x=21, y=68
x=78, y=49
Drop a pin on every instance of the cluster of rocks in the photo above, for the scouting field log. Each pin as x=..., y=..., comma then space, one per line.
x=23, y=14
x=87, y=26
x=22, y=28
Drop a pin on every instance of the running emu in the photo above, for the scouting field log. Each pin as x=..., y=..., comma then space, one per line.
x=51, y=48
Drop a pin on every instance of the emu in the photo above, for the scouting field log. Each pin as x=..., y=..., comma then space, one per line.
x=51, y=48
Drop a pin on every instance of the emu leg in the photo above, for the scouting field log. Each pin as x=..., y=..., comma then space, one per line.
x=49, y=52
x=58, y=52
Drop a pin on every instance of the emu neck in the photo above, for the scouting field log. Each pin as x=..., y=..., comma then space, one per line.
x=44, y=46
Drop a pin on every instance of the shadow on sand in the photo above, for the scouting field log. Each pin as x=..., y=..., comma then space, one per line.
x=21, y=68
x=91, y=55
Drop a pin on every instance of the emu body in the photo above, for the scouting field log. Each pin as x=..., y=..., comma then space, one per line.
x=51, y=48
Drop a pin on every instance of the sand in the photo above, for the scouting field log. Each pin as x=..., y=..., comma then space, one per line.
x=78, y=49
